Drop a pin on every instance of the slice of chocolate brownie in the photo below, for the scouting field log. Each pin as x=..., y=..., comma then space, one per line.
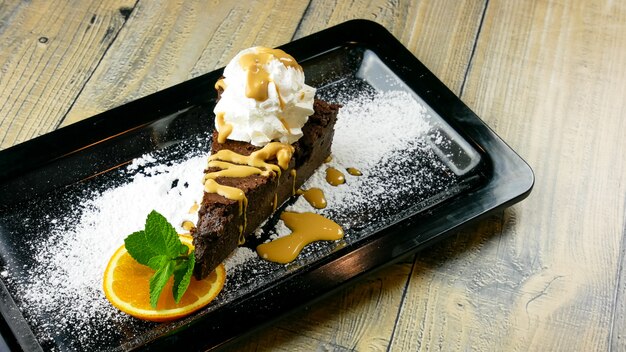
x=224, y=223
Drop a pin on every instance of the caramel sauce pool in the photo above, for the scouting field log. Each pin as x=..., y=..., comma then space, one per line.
x=188, y=225
x=354, y=171
x=307, y=228
x=315, y=197
x=335, y=177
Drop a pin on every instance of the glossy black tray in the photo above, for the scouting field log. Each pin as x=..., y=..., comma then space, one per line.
x=359, y=54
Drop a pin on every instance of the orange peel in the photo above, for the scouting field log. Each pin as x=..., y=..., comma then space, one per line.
x=126, y=286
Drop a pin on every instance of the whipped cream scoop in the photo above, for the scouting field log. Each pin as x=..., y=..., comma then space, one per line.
x=264, y=98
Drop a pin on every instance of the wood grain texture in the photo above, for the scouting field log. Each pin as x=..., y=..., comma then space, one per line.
x=548, y=76
x=358, y=318
x=48, y=51
x=551, y=83
x=168, y=42
x=618, y=330
x=440, y=33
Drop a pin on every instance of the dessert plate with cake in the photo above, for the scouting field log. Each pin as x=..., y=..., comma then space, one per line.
x=298, y=169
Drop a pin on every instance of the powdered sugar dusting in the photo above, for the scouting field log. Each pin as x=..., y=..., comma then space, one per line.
x=383, y=134
x=370, y=127
x=238, y=257
x=385, y=123
x=73, y=258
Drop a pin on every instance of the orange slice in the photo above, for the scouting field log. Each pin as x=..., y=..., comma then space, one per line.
x=126, y=286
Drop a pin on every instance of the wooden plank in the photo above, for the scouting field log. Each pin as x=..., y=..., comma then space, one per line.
x=438, y=312
x=48, y=51
x=357, y=318
x=617, y=335
x=166, y=42
x=618, y=332
x=549, y=77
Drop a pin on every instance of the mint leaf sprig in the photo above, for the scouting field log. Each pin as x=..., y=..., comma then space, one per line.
x=159, y=247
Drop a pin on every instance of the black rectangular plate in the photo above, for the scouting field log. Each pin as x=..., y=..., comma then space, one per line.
x=491, y=176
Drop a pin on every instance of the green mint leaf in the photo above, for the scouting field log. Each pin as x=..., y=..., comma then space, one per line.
x=161, y=235
x=158, y=281
x=182, y=276
x=159, y=247
x=158, y=261
x=137, y=246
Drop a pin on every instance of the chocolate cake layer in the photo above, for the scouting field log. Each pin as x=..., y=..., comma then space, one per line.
x=217, y=232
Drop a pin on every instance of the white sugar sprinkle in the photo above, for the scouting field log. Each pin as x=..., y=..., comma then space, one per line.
x=73, y=259
x=370, y=128
x=68, y=279
x=238, y=257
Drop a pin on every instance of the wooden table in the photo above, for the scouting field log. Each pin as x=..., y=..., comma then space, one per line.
x=548, y=76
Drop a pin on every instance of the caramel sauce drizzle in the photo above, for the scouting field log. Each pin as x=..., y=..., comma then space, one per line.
x=242, y=238
x=335, y=177
x=257, y=81
x=224, y=128
x=232, y=193
x=306, y=228
x=280, y=151
x=281, y=102
x=258, y=78
x=220, y=84
x=233, y=170
x=231, y=164
x=293, y=185
x=285, y=124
